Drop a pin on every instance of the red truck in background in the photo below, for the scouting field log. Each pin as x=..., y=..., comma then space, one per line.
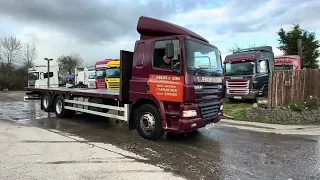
x=100, y=68
x=179, y=96
x=287, y=62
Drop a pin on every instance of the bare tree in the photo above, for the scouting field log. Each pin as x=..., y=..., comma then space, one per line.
x=29, y=54
x=90, y=65
x=67, y=64
x=236, y=47
x=11, y=51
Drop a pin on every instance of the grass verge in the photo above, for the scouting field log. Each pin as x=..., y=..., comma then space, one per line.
x=236, y=110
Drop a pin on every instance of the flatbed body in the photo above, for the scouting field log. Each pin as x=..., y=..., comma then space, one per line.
x=99, y=93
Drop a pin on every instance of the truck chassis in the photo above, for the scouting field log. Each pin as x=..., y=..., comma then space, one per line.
x=65, y=102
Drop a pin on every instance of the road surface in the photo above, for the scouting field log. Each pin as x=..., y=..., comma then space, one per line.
x=220, y=152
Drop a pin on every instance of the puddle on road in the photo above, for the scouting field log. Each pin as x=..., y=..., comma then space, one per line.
x=22, y=111
x=208, y=154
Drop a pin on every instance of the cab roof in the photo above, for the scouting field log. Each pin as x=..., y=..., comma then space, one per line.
x=151, y=28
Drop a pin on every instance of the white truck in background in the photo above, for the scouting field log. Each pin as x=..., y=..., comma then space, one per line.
x=81, y=77
x=38, y=76
x=92, y=78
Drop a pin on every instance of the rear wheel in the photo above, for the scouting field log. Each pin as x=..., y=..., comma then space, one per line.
x=60, y=110
x=46, y=102
x=148, y=122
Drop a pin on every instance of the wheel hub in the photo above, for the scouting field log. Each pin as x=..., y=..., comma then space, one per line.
x=147, y=122
x=59, y=107
x=46, y=102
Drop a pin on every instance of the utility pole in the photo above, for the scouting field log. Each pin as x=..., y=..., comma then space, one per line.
x=48, y=73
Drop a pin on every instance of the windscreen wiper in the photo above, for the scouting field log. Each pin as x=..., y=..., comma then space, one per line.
x=199, y=70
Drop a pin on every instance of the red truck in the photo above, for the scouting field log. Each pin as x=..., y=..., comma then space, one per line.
x=287, y=62
x=154, y=98
x=100, y=68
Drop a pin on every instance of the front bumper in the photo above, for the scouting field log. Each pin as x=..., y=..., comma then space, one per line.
x=187, y=125
x=253, y=94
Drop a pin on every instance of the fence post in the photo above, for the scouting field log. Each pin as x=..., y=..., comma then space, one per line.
x=270, y=85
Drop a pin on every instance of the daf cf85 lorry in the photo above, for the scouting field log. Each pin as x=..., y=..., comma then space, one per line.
x=155, y=95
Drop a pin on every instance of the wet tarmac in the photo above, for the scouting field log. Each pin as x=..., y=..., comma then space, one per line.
x=215, y=153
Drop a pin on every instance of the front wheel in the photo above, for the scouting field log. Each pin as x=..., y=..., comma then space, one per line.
x=148, y=122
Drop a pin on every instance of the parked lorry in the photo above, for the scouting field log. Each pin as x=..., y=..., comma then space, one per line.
x=100, y=68
x=287, y=62
x=81, y=77
x=38, y=76
x=247, y=73
x=113, y=75
x=91, y=78
x=177, y=96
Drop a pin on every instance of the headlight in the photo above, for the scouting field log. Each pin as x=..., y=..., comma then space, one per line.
x=189, y=113
x=221, y=107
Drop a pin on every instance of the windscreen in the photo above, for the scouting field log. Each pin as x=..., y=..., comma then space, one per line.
x=283, y=67
x=202, y=59
x=113, y=73
x=33, y=76
x=91, y=76
x=239, y=68
x=100, y=74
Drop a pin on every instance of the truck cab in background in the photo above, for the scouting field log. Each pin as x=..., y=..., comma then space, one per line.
x=100, y=68
x=287, y=62
x=113, y=75
x=91, y=78
x=81, y=77
x=38, y=76
x=247, y=72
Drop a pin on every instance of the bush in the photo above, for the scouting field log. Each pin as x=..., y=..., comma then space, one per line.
x=309, y=104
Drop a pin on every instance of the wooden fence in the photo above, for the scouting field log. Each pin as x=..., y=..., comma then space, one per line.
x=293, y=86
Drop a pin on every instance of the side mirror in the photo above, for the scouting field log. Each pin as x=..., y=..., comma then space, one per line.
x=169, y=50
x=41, y=76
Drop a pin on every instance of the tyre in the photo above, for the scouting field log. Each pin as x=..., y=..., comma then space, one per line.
x=59, y=109
x=46, y=102
x=148, y=122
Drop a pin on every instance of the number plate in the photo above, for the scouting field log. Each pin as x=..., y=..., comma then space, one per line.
x=237, y=97
x=208, y=126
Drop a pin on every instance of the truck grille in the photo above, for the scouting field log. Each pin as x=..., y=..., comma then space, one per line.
x=237, y=87
x=209, y=109
x=113, y=85
x=91, y=83
x=101, y=85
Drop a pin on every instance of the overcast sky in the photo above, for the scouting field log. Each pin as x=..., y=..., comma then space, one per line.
x=99, y=29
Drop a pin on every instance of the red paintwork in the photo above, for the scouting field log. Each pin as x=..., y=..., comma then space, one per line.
x=149, y=28
x=288, y=60
x=101, y=65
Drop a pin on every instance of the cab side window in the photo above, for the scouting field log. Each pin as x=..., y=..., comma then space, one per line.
x=159, y=60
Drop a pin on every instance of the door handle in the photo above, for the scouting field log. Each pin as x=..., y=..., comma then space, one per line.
x=147, y=87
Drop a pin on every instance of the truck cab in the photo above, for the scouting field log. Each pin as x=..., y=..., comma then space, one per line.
x=38, y=76
x=91, y=79
x=287, y=62
x=81, y=77
x=247, y=73
x=100, y=68
x=187, y=89
x=113, y=75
